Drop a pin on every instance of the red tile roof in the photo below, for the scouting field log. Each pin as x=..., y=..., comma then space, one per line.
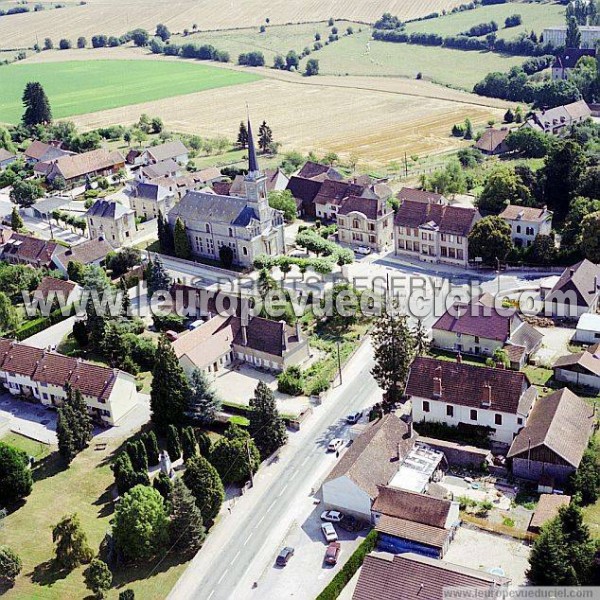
x=25, y=248
x=333, y=192
x=21, y=359
x=492, y=138
x=464, y=384
x=78, y=165
x=60, y=287
x=456, y=220
x=415, y=195
x=413, y=531
x=311, y=169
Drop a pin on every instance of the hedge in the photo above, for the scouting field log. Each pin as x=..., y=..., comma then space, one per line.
x=40, y=323
x=339, y=582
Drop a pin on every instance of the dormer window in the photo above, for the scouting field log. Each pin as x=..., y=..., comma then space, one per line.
x=207, y=228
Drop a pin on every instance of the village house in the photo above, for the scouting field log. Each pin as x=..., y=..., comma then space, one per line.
x=6, y=158
x=526, y=223
x=318, y=172
x=493, y=141
x=480, y=328
x=165, y=168
x=410, y=522
x=111, y=221
x=18, y=248
x=581, y=369
x=276, y=181
x=249, y=226
x=39, y=151
x=78, y=168
x=331, y=195
x=180, y=185
x=554, y=439
x=365, y=222
x=435, y=233
x=304, y=192
x=458, y=394
x=63, y=291
x=90, y=252
x=588, y=329
x=415, y=195
x=174, y=150
x=574, y=293
x=36, y=374
x=410, y=576
x=557, y=120
x=564, y=63
x=223, y=339
x=148, y=199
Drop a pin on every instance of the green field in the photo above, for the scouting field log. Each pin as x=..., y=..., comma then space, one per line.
x=81, y=87
x=456, y=68
x=536, y=16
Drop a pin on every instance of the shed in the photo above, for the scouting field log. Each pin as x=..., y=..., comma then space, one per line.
x=546, y=509
x=588, y=329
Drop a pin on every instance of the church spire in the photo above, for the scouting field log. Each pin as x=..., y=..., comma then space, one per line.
x=252, y=160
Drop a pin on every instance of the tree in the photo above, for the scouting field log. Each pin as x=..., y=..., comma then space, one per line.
x=15, y=476
x=543, y=250
x=279, y=62
x=573, y=37
x=66, y=440
x=312, y=67
x=231, y=453
x=226, y=256
x=468, y=130
x=151, y=444
x=137, y=454
x=82, y=426
x=421, y=339
x=204, y=443
x=9, y=315
x=98, y=577
x=157, y=278
x=26, y=192
x=394, y=350
x=10, y=566
x=141, y=525
x=162, y=31
x=127, y=595
x=490, y=239
x=140, y=37
x=164, y=486
x=187, y=531
x=265, y=137
x=265, y=425
x=206, y=486
x=292, y=60
x=586, y=480
x=188, y=443
x=509, y=116
x=183, y=248
x=125, y=475
x=284, y=201
x=72, y=548
x=65, y=44
x=590, y=236
x=37, y=106
x=173, y=443
x=242, y=138
x=502, y=186
x=16, y=222
x=170, y=389
x=563, y=554
x=81, y=42
x=528, y=142
x=48, y=44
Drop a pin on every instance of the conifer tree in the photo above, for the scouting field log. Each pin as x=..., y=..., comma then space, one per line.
x=37, y=106
x=72, y=548
x=573, y=39
x=173, y=443
x=265, y=137
x=187, y=530
x=165, y=235
x=16, y=222
x=82, y=426
x=125, y=300
x=183, y=248
x=151, y=443
x=266, y=426
x=188, y=443
x=204, y=402
x=204, y=482
x=66, y=440
x=242, y=138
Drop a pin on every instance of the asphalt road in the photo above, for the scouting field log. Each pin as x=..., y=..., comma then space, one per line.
x=246, y=536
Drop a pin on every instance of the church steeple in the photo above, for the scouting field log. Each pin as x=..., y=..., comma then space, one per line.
x=252, y=160
x=255, y=182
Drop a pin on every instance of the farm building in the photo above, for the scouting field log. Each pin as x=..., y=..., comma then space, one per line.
x=77, y=168
x=588, y=329
x=547, y=508
x=493, y=141
x=557, y=120
x=552, y=443
x=580, y=369
x=557, y=35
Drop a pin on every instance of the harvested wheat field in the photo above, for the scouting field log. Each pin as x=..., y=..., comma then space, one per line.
x=115, y=17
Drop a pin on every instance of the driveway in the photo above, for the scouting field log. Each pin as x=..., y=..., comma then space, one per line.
x=45, y=231
x=554, y=344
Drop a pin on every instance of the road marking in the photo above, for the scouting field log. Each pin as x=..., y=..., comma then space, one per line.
x=261, y=520
x=247, y=539
x=283, y=490
x=235, y=557
x=294, y=476
x=210, y=595
x=222, y=576
x=304, y=461
x=270, y=507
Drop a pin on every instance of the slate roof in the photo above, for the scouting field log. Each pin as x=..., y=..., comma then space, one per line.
x=370, y=207
x=28, y=249
x=413, y=577
x=303, y=188
x=105, y=209
x=464, y=384
x=167, y=150
x=547, y=508
x=413, y=531
x=491, y=139
x=514, y=212
x=77, y=165
x=311, y=169
x=415, y=195
x=375, y=456
x=333, y=192
x=160, y=169
x=149, y=191
x=570, y=57
x=560, y=115
x=561, y=422
x=456, y=220
x=412, y=506
x=6, y=155
x=86, y=253
x=585, y=360
x=582, y=279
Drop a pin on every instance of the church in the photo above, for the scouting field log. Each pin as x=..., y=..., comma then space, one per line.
x=248, y=225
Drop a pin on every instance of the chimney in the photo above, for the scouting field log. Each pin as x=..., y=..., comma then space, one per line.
x=283, y=335
x=245, y=335
x=459, y=358
x=571, y=271
x=437, y=387
x=486, y=399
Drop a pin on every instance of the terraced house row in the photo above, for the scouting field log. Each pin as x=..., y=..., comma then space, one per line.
x=37, y=374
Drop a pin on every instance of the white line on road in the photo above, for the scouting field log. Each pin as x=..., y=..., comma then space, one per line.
x=294, y=476
x=222, y=576
x=271, y=506
x=247, y=539
x=304, y=461
x=235, y=557
x=261, y=520
x=283, y=490
x=210, y=595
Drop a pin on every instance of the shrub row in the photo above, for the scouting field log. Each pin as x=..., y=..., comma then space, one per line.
x=481, y=29
x=189, y=50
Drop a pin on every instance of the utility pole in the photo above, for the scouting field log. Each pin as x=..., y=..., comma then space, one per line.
x=405, y=165
x=249, y=462
x=339, y=362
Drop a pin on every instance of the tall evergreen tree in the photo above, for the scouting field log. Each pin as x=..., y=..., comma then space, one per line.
x=137, y=453
x=573, y=39
x=187, y=530
x=16, y=222
x=156, y=276
x=151, y=443
x=265, y=137
x=125, y=300
x=188, y=443
x=183, y=248
x=242, y=138
x=170, y=389
x=37, y=106
x=204, y=482
x=173, y=443
x=204, y=402
x=82, y=426
x=420, y=338
x=66, y=440
x=72, y=548
x=165, y=235
x=235, y=455
x=266, y=426
x=164, y=486
x=126, y=477
x=393, y=349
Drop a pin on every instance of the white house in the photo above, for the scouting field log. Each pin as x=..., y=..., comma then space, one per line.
x=455, y=393
x=111, y=221
x=526, y=223
x=588, y=329
x=174, y=150
x=148, y=199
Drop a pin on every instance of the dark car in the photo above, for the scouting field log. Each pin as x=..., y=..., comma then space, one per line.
x=349, y=523
x=332, y=553
x=284, y=556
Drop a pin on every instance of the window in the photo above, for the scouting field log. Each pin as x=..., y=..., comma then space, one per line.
x=372, y=239
x=401, y=244
x=518, y=229
x=416, y=246
x=45, y=396
x=443, y=237
x=409, y=246
x=449, y=410
x=519, y=421
x=473, y=415
x=443, y=251
x=498, y=419
x=451, y=253
x=341, y=222
x=230, y=232
x=415, y=232
x=401, y=230
x=423, y=236
x=425, y=406
x=207, y=228
x=371, y=227
x=477, y=339
x=356, y=224
x=460, y=254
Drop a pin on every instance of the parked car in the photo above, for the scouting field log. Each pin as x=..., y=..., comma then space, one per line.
x=195, y=324
x=284, y=556
x=332, y=553
x=335, y=444
x=354, y=417
x=349, y=523
x=171, y=335
x=333, y=516
x=329, y=532
x=362, y=250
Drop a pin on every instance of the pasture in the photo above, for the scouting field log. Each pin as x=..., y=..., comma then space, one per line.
x=114, y=17
x=78, y=87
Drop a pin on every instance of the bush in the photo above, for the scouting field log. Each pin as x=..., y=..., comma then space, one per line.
x=252, y=59
x=290, y=381
x=512, y=21
x=10, y=566
x=64, y=44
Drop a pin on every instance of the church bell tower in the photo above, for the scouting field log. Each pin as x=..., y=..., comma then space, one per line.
x=255, y=182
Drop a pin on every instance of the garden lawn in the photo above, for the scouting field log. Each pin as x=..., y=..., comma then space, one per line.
x=29, y=446
x=80, y=87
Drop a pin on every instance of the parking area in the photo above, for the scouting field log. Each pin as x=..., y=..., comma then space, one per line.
x=484, y=551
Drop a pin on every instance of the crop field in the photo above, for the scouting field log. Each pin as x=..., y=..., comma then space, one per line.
x=115, y=17
x=358, y=54
x=535, y=17
x=77, y=87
